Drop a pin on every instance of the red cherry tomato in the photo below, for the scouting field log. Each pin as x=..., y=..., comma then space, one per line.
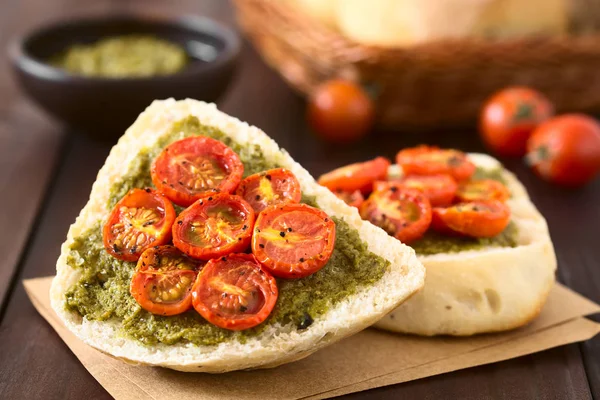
x=234, y=292
x=440, y=189
x=340, y=111
x=431, y=160
x=484, y=189
x=476, y=219
x=293, y=240
x=510, y=116
x=566, y=149
x=274, y=186
x=163, y=280
x=401, y=212
x=354, y=199
x=188, y=168
x=141, y=219
x=214, y=226
x=357, y=176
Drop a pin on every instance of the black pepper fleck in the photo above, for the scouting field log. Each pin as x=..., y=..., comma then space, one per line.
x=306, y=321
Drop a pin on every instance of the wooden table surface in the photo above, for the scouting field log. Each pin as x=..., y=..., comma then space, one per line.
x=47, y=171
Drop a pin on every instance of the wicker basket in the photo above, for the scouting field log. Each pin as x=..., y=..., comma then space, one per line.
x=429, y=85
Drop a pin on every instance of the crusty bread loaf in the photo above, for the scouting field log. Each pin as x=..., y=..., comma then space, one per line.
x=395, y=23
x=486, y=290
x=276, y=344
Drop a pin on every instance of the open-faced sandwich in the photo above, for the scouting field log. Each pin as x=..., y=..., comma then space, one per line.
x=205, y=247
x=487, y=251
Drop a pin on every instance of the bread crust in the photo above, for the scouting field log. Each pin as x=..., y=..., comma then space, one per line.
x=277, y=344
x=486, y=290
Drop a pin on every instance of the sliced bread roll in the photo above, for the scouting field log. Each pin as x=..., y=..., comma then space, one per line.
x=485, y=290
x=277, y=343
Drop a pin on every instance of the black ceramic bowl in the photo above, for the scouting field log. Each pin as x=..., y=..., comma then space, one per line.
x=105, y=107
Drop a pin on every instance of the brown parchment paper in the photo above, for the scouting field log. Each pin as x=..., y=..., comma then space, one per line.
x=367, y=360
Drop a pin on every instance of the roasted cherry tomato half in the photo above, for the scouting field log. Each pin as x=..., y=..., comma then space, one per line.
x=430, y=160
x=340, y=111
x=510, y=116
x=274, y=186
x=440, y=189
x=566, y=150
x=214, y=226
x=476, y=219
x=358, y=176
x=188, y=168
x=354, y=199
x=293, y=240
x=234, y=292
x=141, y=219
x=403, y=213
x=163, y=279
x=484, y=189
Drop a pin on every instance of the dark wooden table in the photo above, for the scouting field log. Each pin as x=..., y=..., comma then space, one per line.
x=47, y=171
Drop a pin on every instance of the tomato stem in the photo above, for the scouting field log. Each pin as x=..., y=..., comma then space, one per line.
x=524, y=111
x=542, y=153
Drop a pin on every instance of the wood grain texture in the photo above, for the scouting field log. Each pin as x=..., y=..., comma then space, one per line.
x=34, y=363
x=29, y=148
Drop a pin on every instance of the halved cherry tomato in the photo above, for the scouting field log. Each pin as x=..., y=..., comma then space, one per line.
x=403, y=213
x=234, y=292
x=566, y=149
x=214, y=226
x=354, y=199
x=141, y=219
x=475, y=219
x=358, y=176
x=484, y=189
x=274, y=186
x=340, y=111
x=509, y=117
x=430, y=160
x=293, y=240
x=188, y=168
x=163, y=280
x=440, y=189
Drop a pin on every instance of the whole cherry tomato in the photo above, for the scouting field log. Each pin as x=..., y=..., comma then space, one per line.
x=566, y=149
x=340, y=111
x=509, y=117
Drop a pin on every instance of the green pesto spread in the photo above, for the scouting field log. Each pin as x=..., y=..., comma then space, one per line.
x=103, y=290
x=123, y=56
x=433, y=242
x=495, y=174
